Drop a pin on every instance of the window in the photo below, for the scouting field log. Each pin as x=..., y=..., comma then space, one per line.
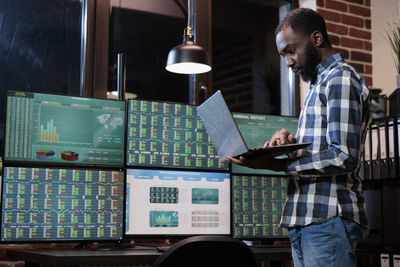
x=40, y=47
x=146, y=38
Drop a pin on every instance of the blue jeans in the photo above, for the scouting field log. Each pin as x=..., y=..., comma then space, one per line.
x=331, y=242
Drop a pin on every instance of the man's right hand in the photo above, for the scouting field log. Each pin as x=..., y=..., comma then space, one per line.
x=281, y=137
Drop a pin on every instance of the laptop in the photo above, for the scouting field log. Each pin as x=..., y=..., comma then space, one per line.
x=225, y=135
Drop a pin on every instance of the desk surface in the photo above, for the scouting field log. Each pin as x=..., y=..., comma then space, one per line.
x=65, y=257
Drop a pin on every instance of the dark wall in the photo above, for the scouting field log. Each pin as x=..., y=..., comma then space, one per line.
x=246, y=65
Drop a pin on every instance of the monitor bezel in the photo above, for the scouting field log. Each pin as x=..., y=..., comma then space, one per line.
x=175, y=236
x=227, y=168
x=66, y=163
x=80, y=241
x=255, y=240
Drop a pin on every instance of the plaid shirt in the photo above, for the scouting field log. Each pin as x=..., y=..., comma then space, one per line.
x=325, y=181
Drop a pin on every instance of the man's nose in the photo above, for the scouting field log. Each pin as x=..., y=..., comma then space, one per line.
x=289, y=62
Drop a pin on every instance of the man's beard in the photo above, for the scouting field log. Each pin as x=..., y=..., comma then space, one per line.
x=312, y=60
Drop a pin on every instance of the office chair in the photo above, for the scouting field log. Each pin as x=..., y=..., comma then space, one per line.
x=207, y=251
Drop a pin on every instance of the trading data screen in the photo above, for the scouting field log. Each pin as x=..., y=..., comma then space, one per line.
x=256, y=129
x=163, y=134
x=44, y=204
x=257, y=206
x=160, y=202
x=64, y=129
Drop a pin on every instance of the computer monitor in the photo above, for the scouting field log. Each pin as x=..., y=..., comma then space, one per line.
x=172, y=203
x=168, y=135
x=257, y=203
x=64, y=130
x=61, y=204
x=256, y=129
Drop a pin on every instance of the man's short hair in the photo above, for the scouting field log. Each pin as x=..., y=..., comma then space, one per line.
x=304, y=21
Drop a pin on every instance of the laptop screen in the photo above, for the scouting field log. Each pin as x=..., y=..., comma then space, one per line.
x=221, y=127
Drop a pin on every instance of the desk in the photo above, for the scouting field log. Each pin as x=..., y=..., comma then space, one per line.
x=76, y=257
x=272, y=253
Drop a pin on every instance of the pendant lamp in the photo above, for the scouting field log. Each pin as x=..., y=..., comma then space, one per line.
x=188, y=58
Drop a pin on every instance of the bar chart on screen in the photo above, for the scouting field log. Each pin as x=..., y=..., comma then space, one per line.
x=64, y=129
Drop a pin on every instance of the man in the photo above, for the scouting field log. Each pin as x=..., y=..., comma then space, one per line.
x=325, y=210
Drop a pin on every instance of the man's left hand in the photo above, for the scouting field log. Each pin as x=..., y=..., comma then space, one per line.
x=281, y=137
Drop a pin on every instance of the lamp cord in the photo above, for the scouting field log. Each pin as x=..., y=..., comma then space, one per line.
x=188, y=17
x=188, y=30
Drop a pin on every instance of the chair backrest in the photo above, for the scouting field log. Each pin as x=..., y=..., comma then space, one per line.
x=207, y=251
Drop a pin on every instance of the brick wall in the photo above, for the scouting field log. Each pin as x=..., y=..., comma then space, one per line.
x=232, y=63
x=349, y=27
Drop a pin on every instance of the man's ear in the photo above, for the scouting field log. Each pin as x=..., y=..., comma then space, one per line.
x=317, y=39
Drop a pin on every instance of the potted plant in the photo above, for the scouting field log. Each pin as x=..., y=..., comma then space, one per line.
x=393, y=37
x=378, y=103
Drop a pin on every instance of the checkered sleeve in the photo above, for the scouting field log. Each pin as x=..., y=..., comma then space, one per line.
x=336, y=137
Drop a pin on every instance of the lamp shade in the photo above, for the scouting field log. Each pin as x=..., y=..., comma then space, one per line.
x=188, y=58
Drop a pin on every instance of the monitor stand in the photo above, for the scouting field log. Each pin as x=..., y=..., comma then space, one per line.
x=112, y=245
x=268, y=242
x=259, y=243
x=158, y=244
